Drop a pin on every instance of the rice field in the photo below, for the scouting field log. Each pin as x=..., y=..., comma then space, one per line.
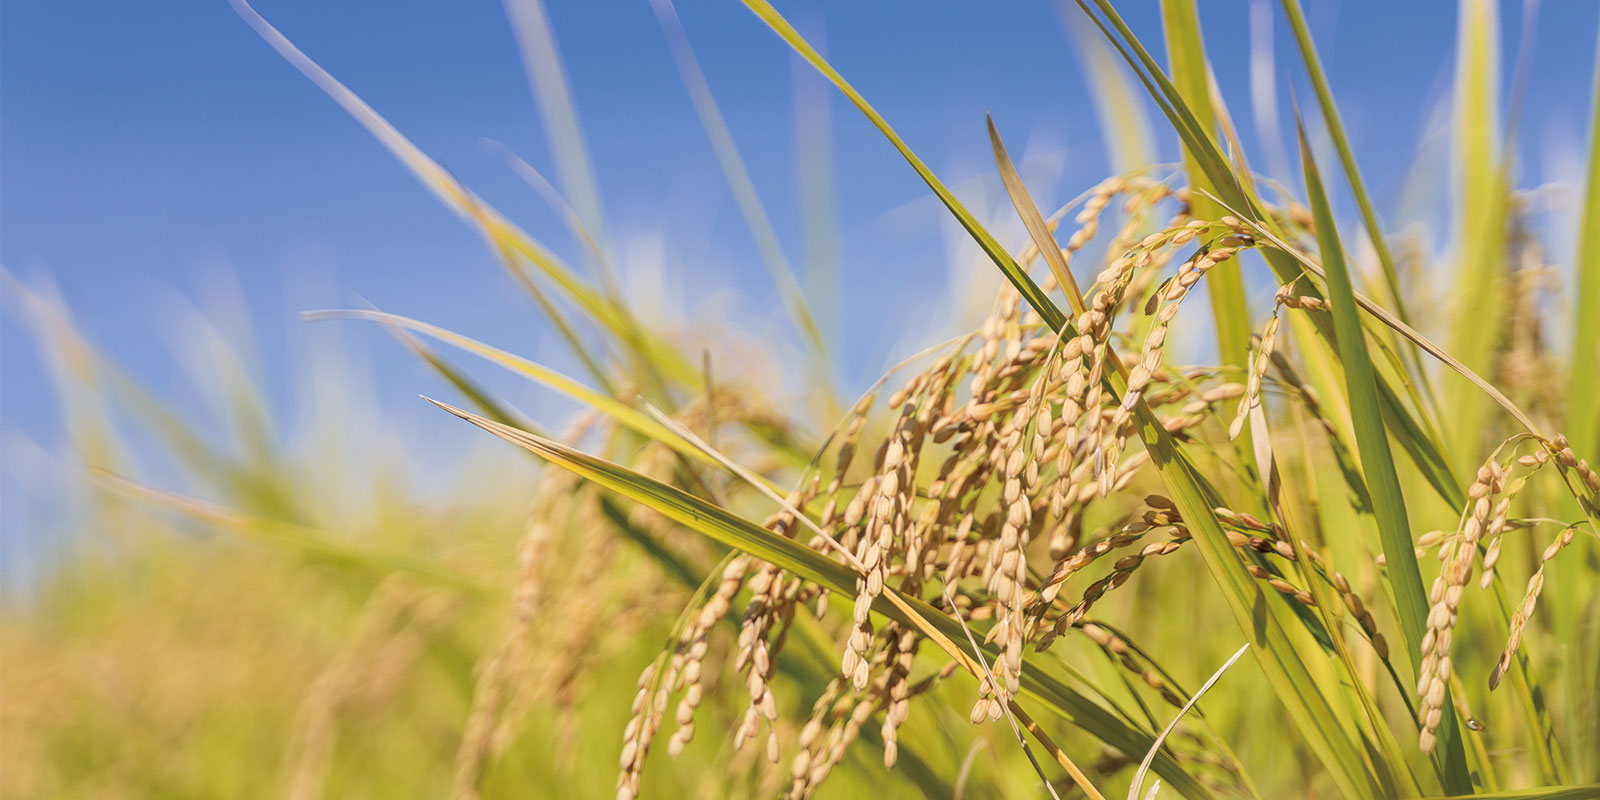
x=1352, y=552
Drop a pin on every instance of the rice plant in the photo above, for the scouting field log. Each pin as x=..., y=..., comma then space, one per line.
x=1355, y=555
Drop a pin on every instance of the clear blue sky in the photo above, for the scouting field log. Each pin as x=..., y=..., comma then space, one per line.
x=151, y=152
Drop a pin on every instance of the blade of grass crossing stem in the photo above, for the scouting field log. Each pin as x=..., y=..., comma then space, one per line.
x=1438, y=473
x=468, y=388
x=1583, y=411
x=1480, y=223
x=1377, y=463
x=1192, y=74
x=645, y=347
x=788, y=554
x=1019, y=278
x=1285, y=505
x=494, y=410
x=1198, y=141
x=1346, y=763
x=1256, y=611
x=1258, y=614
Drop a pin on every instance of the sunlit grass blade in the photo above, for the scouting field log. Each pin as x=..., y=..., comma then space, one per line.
x=671, y=563
x=631, y=334
x=1144, y=766
x=552, y=312
x=1377, y=463
x=1197, y=139
x=788, y=554
x=1589, y=792
x=1334, y=124
x=463, y=383
x=91, y=385
x=1237, y=195
x=1429, y=459
x=1257, y=613
x=1285, y=504
x=1382, y=315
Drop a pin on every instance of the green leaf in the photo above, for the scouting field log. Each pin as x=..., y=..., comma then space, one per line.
x=1034, y=221
x=1335, y=127
x=1377, y=463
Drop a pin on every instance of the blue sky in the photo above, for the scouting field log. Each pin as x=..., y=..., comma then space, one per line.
x=159, y=155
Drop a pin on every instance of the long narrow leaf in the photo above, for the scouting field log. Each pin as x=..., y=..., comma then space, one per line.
x=1369, y=216
x=1377, y=463
x=541, y=59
